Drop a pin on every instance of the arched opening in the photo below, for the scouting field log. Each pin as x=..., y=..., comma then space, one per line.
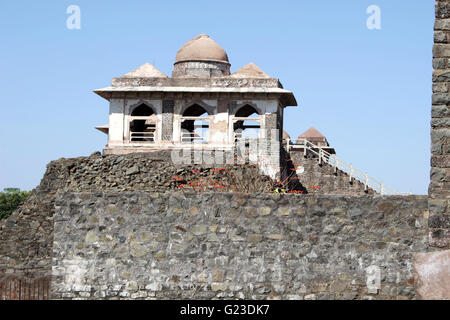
x=142, y=124
x=142, y=110
x=247, y=111
x=194, y=125
x=246, y=123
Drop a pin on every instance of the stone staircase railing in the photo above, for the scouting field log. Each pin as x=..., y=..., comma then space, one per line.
x=338, y=164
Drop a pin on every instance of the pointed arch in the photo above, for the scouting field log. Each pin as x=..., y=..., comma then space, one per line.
x=194, y=124
x=208, y=109
x=142, y=110
x=142, y=123
x=246, y=122
x=247, y=111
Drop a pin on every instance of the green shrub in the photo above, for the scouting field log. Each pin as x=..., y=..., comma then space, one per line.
x=10, y=200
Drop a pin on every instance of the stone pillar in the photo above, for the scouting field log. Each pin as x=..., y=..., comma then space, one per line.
x=271, y=165
x=439, y=189
x=167, y=120
x=218, y=127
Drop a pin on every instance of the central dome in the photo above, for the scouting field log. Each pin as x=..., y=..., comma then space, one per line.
x=202, y=48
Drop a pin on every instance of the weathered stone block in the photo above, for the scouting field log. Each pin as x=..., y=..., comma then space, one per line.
x=439, y=111
x=440, y=63
x=439, y=238
x=264, y=211
x=275, y=236
x=440, y=37
x=436, y=149
x=254, y=238
x=439, y=219
x=440, y=98
x=284, y=211
x=441, y=76
x=250, y=211
x=440, y=161
x=442, y=9
x=217, y=275
x=442, y=24
x=441, y=50
x=132, y=170
x=219, y=286
x=440, y=122
x=437, y=206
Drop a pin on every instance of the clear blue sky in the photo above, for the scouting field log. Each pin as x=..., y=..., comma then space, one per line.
x=368, y=91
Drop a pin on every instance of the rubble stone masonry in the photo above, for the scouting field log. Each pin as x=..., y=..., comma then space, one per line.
x=137, y=245
x=121, y=227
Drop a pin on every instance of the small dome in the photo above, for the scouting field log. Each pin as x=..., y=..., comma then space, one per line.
x=202, y=48
x=311, y=133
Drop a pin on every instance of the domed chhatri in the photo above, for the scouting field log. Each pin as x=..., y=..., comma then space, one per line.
x=202, y=106
x=201, y=48
x=201, y=57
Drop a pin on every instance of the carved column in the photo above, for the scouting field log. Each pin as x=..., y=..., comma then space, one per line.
x=167, y=120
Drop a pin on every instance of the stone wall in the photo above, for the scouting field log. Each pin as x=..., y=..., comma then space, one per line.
x=321, y=178
x=26, y=237
x=155, y=172
x=439, y=190
x=232, y=245
x=202, y=245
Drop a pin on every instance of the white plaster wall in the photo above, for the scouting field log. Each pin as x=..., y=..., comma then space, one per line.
x=219, y=136
x=115, y=136
x=120, y=110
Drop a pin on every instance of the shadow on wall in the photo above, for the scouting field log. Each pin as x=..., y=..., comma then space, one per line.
x=289, y=178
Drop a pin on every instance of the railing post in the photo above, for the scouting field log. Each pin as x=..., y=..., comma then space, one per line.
x=320, y=156
x=304, y=148
x=381, y=189
x=287, y=144
x=350, y=174
x=335, y=164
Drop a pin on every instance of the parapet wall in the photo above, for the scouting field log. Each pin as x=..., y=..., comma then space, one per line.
x=232, y=245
